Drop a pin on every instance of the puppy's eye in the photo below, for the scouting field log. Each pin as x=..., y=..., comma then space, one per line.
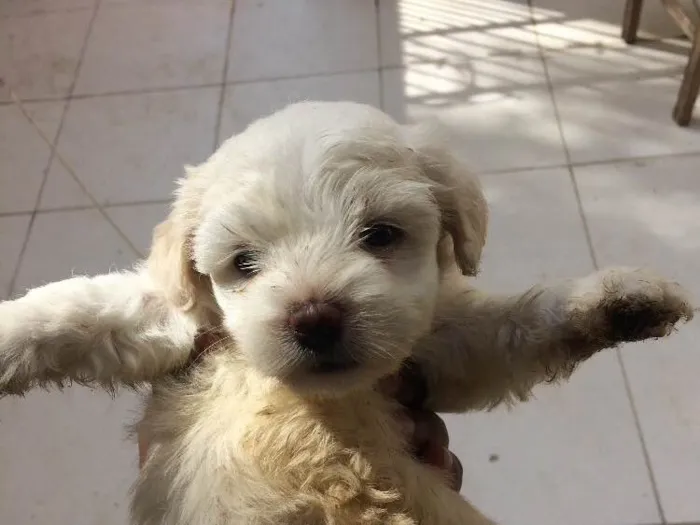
x=378, y=236
x=246, y=262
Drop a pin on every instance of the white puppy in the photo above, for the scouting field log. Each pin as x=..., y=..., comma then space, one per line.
x=326, y=243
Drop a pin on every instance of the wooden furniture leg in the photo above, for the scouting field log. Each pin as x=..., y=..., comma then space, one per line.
x=690, y=85
x=688, y=93
x=630, y=22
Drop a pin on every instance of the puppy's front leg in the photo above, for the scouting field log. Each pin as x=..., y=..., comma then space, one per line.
x=107, y=329
x=485, y=350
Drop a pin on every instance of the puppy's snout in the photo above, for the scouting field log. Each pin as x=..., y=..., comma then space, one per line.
x=317, y=325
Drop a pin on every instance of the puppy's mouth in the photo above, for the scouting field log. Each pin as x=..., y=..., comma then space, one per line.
x=336, y=362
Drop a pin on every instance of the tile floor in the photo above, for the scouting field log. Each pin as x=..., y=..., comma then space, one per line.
x=569, y=127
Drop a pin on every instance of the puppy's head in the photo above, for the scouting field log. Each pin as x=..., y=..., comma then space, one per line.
x=317, y=238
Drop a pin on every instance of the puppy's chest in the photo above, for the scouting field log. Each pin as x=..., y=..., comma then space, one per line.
x=344, y=461
x=275, y=458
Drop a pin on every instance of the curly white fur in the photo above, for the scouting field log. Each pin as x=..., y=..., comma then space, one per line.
x=255, y=434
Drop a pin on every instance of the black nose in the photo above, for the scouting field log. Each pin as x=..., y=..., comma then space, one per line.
x=317, y=325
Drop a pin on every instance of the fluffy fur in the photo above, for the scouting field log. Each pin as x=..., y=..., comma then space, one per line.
x=256, y=433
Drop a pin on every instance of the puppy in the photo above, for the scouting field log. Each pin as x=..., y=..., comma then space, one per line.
x=327, y=245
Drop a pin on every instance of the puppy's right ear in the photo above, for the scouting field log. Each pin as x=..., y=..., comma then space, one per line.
x=458, y=193
x=170, y=263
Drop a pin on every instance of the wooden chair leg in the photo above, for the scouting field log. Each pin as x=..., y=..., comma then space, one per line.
x=630, y=21
x=690, y=85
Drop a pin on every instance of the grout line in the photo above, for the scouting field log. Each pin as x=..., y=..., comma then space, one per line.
x=583, y=164
x=122, y=204
x=54, y=154
x=15, y=214
x=113, y=206
x=193, y=86
x=640, y=433
x=380, y=82
x=44, y=12
x=145, y=91
x=33, y=100
x=622, y=160
x=380, y=73
x=303, y=76
x=520, y=169
x=224, y=76
x=594, y=260
x=186, y=87
x=125, y=92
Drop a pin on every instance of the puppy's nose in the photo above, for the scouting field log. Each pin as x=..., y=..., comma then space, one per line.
x=317, y=325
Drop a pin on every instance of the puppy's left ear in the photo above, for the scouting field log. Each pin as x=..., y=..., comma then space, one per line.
x=457, y=192
x=464, y=217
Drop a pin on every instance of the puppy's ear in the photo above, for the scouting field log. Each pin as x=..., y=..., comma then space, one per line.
x=457, y=192
x=170, y=262
x=170, y=265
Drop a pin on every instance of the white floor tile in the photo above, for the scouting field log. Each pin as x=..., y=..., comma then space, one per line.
x=13, y=231
x=616, y=105
x=24, y=156
x=137, y=222
x=449, y=31
x=246, y=102
x=131, y=148
x=572, y=455
x=66, y=243
x=500, y=109
x=279, y=38
x=535, y=231
x=39, y=54
x=65, y=458
x=137, y=46
x=61, y=190
x=646, y=210
x=648, y=214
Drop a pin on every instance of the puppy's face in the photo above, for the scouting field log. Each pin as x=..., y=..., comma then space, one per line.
x=321, y=245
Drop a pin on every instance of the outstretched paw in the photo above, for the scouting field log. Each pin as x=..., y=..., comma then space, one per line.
x=623, y=305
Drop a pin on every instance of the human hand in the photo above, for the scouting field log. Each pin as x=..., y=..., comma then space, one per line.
x=429, y=438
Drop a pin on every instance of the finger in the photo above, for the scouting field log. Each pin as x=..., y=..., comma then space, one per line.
x=456, y=472
x=435, y=456
x=430, y=430
x=412, y=390
x=406, y=424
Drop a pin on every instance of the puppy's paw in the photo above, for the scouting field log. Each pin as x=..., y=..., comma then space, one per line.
x=622, y=304
x=16, y=363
